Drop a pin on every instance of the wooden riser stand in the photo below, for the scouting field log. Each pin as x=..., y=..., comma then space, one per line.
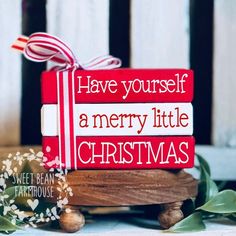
x=129, y=188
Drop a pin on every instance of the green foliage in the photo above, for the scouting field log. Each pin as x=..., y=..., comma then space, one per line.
x=6, y=226
x=191, y=223
x=224, y=202
x=207, y=187
x=210, y=202
x=203, y=164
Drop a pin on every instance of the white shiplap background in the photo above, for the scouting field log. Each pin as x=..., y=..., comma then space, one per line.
x=84, y=25
x=224, y=99
x=81, y=23
x=160, y=33
x=10, y=80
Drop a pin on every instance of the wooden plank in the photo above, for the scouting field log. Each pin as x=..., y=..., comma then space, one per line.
x=201, y=44
x=119, y=30
x=159, y=33
x=10, y=67
x=82, y=24
x=224, y=109
x=33, y=20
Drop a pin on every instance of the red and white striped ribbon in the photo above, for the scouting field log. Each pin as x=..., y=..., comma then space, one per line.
x=40, y=47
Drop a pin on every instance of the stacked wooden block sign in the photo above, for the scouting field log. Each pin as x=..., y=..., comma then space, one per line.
x=120, y=133
x=118, y=119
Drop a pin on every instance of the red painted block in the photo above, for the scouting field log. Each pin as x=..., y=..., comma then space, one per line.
x=124, y=85
x=120, y=152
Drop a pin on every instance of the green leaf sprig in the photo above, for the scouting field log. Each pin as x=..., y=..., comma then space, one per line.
x=210, y=203
x=6, y=226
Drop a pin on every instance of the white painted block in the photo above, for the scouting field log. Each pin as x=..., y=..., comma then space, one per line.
x=109, y=119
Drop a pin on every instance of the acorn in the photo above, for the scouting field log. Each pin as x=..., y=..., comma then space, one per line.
x=71, y=220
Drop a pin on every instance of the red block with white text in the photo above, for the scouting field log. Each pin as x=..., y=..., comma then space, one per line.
x=119, y=152
x=123, y=85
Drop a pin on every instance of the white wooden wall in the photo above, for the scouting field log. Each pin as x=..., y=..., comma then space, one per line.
x=160, y=33
x=10, y=77
x=224, y=109
x=159, y=38
x=82, y=23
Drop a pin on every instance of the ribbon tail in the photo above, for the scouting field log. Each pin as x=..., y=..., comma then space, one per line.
x=20, y=43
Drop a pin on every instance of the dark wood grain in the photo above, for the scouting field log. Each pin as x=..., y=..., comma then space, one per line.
x=129, y=187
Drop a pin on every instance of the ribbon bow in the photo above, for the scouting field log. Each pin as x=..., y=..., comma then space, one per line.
x=40, y=47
